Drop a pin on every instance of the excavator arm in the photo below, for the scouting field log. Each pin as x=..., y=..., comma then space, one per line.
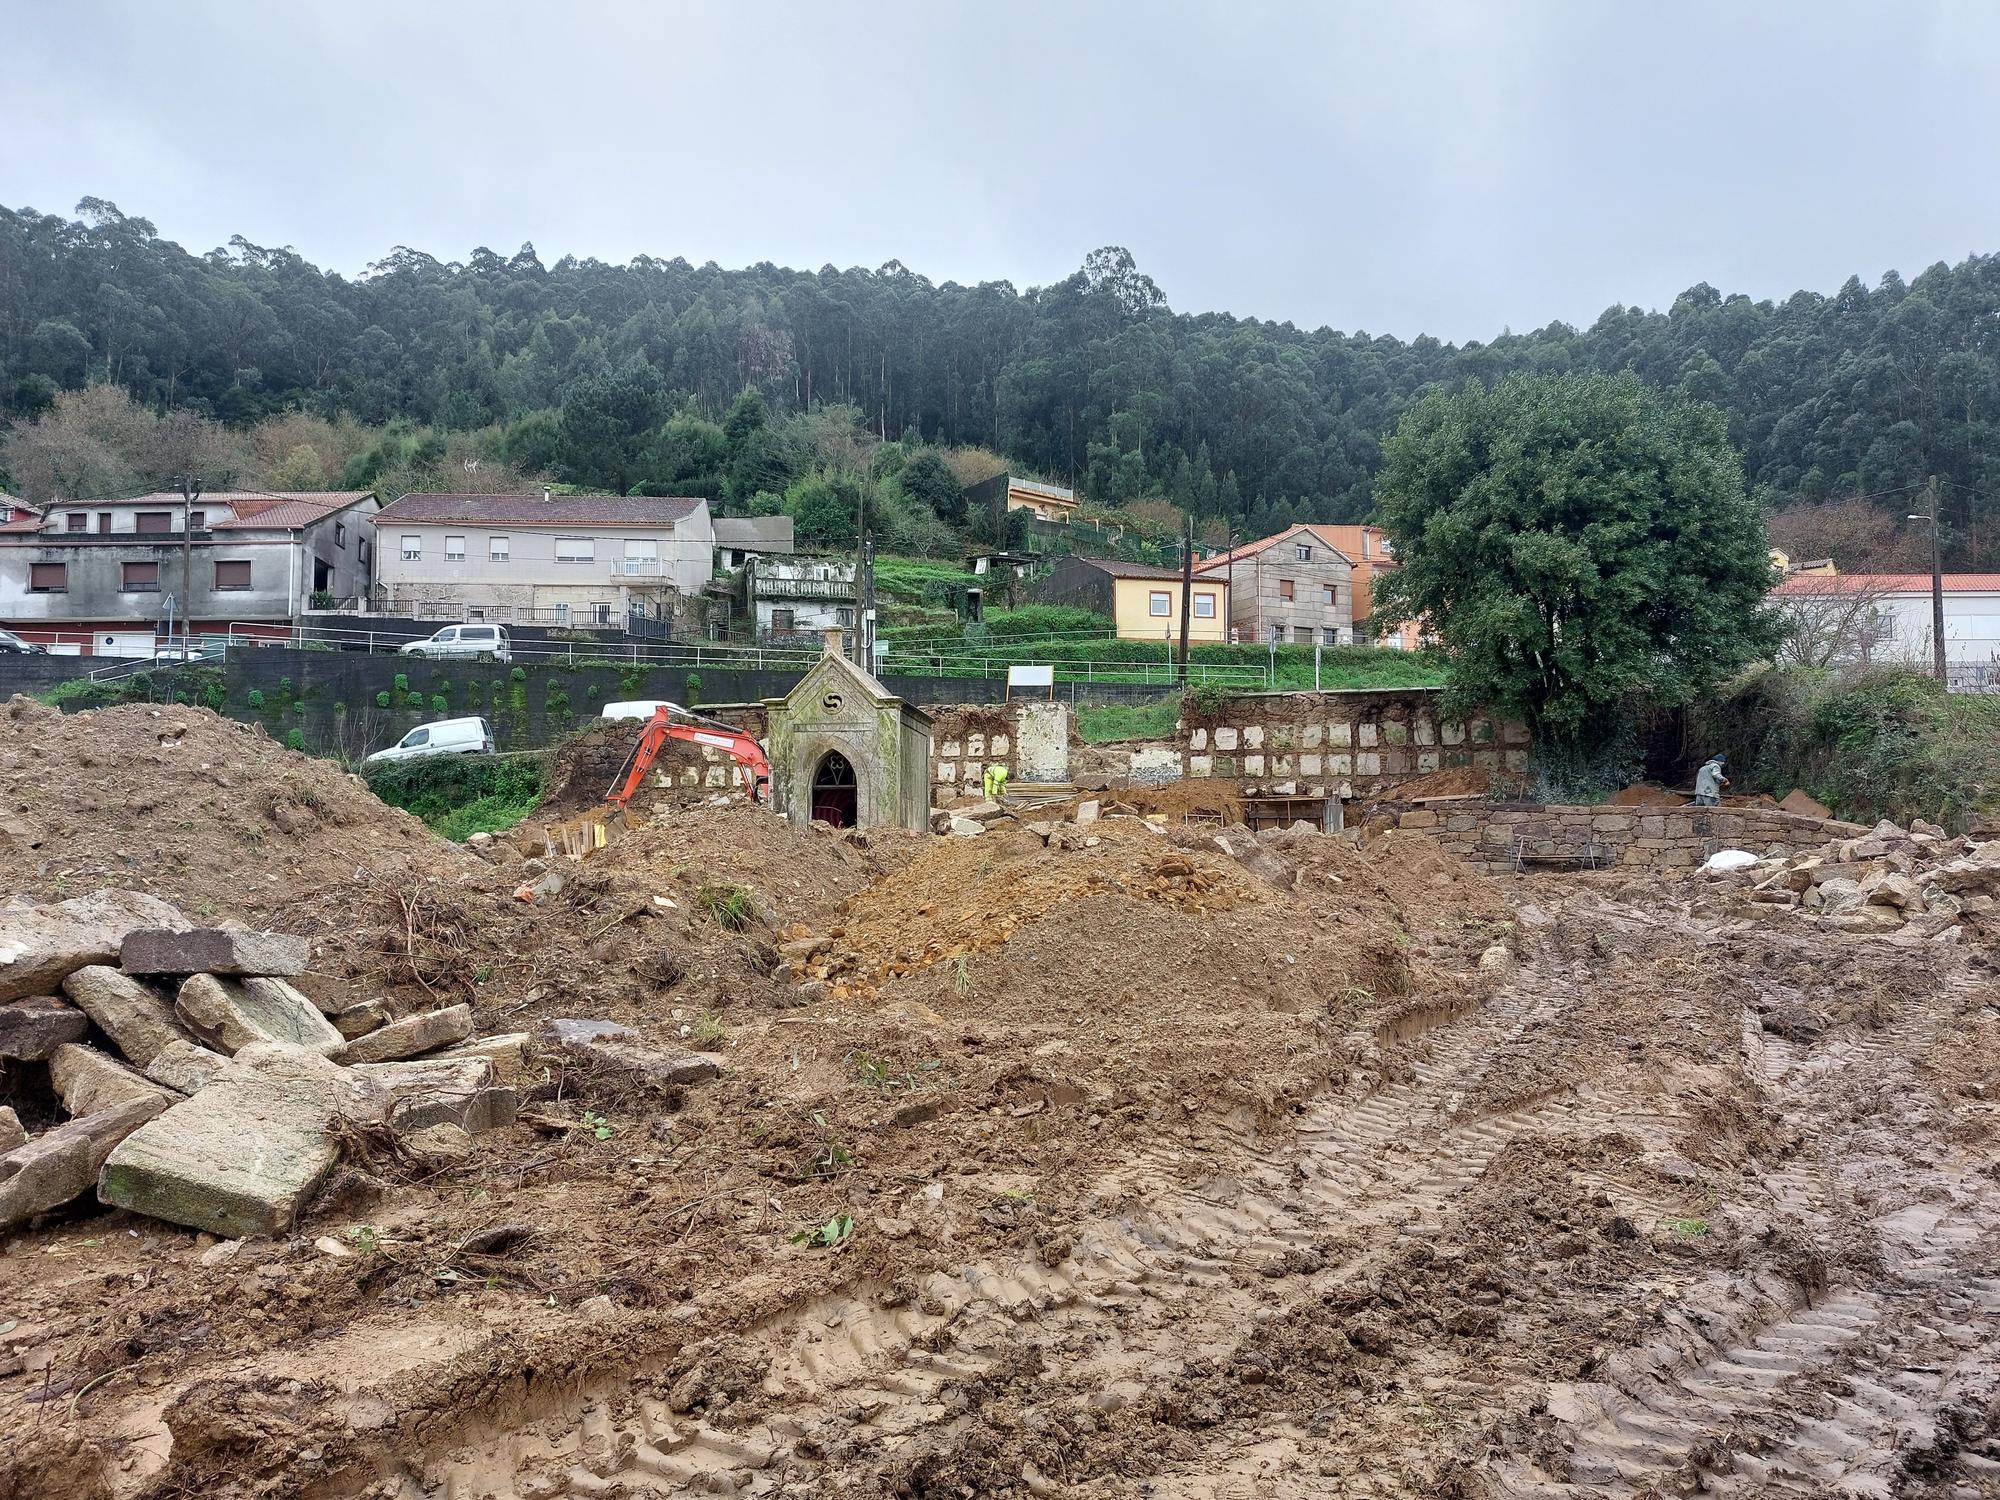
x=663, y=726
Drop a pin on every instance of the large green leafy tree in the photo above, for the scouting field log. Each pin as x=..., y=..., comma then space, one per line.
x=608, y=425
x=1575, y=542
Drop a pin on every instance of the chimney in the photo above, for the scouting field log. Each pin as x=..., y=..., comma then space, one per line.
x=546, y=496
x=833, y=646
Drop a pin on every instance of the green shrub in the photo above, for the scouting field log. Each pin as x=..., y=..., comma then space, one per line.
x=284, y=687
x=691, y=689
x=1110, y=723
x=381, y=700
x=439, y=704
x=556, y=704
x=519, y=674
x=433, y=785
x=256, y=698
x=295, y=739
x=402, y=682
x=412, y=700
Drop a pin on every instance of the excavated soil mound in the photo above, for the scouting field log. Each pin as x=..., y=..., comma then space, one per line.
x=211, y=814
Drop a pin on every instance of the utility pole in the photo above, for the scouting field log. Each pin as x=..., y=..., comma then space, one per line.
x=190, y=492
x=1937, y=581
x=1187, y=590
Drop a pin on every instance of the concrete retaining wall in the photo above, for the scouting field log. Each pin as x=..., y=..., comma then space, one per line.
x=1486, y=833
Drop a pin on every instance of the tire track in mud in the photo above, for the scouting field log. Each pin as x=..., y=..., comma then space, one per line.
x=851, y=1381
x=1758, y=1389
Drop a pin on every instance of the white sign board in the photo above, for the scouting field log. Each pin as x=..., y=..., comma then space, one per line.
x=1040, y=679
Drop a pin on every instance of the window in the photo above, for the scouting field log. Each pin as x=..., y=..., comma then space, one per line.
x=454, y=549
x=416, y=737
x=844, y=617
x=575, y=549
x=232, y=575
x=562, y=614
x=340, y=533
x=198, y=520
x=1159, y=602
x=413, y=548
x=48, y=578
x=139, y=578
x=1329, y=636
x=1285, y=588
x=641, y=551
x=496, y=549
x=1302, y=552
x=781, y=619
x=1277, y=633
x=153, y=522
x=1327, y=596
x=104, y=523
x=601, y=613
x=76, y=520
x=1204, y=606
x=361, y=548
x=1302, y=634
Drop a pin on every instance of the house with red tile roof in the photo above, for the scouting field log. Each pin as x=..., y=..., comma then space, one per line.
x=1886, y=617
x=105, y=577
x=1312, y=582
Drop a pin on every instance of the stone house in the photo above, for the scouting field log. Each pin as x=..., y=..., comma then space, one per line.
x=1294, y=588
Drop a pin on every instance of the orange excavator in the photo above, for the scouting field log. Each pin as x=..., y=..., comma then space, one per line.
x=678, y=724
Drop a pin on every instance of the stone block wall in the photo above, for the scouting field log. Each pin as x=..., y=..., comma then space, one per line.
x=1029, y=738
x=1345, y=744
x=1485, y=833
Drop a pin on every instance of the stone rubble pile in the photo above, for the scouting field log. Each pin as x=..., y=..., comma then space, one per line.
x=199, y=1084
x=1914, y=885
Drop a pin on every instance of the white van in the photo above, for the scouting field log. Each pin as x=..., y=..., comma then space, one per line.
x=444, y=737
x=463, y=640
x=641, y=708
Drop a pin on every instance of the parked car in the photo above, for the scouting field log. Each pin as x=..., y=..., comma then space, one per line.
x=464, y=640
x=12, y=645
x=639, y=708
x=440, y=737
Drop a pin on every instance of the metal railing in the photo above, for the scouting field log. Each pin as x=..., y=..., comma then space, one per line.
x=202, y=650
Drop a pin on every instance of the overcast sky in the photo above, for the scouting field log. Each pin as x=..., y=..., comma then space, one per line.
x=1447, y=168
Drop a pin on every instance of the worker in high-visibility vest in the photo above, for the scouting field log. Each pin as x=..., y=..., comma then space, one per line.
x=994, y=782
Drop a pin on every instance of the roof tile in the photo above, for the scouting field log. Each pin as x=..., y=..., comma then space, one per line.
x=537, y=510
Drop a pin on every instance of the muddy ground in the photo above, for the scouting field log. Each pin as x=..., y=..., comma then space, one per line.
x=1129, y=1169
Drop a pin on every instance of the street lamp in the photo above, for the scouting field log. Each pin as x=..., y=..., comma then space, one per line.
x=1937, y=583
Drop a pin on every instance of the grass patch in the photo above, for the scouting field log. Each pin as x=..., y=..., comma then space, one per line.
x=730, y=907
x=1111, y=723
x=487, y=815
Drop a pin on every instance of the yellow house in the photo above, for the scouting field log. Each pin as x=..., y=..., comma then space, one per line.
x=1143, y=600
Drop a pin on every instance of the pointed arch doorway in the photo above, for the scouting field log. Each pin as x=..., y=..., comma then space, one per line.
x=836, y=798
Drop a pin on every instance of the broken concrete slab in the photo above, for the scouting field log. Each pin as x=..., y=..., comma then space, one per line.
x=242, y=1157
x=33, y=1027
x=1804, y=804
x=420, y=1092
x=186, y=1067
x=424, y=1032
x=90, y=1082
x=139, y=1021
x=41, y=946
x=231, y=1014
x=62, y=1163
x=508, y=1052
x=11, y=1133
x=965, y=828
x=232, y=951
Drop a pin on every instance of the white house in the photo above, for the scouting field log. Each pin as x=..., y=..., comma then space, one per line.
x=1886, y=617
x=543, y=559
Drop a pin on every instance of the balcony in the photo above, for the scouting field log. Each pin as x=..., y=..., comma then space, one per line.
x=638, y=567
x=804, y=588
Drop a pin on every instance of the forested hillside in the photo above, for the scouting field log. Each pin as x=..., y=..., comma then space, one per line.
x=1092, y=381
